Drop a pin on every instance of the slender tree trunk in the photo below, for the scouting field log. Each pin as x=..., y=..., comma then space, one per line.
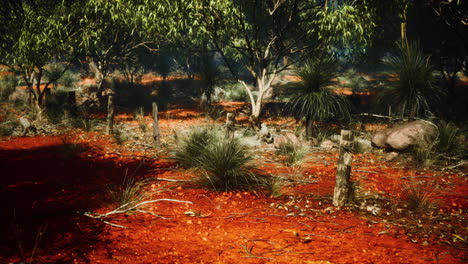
x=404, y=39
x=110, y=115
x=309, y=127
x=342, y=190
x=156, y=132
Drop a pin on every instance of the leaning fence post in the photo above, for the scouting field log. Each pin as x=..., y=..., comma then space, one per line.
x=343, y=170
x=156, y=133
x=110, y=115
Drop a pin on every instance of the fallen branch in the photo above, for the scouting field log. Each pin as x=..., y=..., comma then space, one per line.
x=381, y=116
x=455, y=166
x=293, y=180
x=124, y=209
x=413, y=177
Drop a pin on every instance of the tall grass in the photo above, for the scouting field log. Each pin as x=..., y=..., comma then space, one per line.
x=128, y=192
x=445, y=147
x=293, y=152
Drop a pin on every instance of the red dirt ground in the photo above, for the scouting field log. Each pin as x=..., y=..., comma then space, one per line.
x=44, y=187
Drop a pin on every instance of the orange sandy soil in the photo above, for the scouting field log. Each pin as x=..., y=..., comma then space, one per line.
x=41, y=186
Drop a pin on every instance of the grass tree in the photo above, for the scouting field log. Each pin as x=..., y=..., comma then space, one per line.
x=314, y=100
x=411, y=86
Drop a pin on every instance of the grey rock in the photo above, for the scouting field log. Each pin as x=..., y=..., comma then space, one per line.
x=403, y=136
x=328, y=145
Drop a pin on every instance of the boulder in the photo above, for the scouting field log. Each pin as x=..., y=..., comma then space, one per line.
x=363, y=145
x=405, y=135
x=288, y=137
x=328, y=145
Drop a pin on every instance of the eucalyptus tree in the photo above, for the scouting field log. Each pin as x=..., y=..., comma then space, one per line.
x=39, y=33
x=260, y=34
x=115, y=38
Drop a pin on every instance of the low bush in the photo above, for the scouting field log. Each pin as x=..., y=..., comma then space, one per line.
x=294, y=153
x=447, y=146
x=223, y=163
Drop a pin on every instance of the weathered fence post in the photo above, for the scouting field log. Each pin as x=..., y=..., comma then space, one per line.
x=110, y=115
x=343, y=170
x=230, y=120
x=156, y=133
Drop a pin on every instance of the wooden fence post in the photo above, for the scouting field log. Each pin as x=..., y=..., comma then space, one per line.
x=156, y=133
x=110, y=115
x=230, y=120
x=343, y=170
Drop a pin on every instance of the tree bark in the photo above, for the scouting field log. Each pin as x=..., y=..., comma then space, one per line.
x=156, y=132
x=343, y=172
x=110, y=115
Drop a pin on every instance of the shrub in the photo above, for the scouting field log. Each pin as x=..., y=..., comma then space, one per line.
x=412, y=86
x=193, y=145
x=423, y=153
x=294, y=153
x=222, y=163
x=8, y=85
x=8, y=127
x=235, y=92
x=128, y=192
x=355, y=81
x=445, y=147
x=57, y=105
x=224, y=166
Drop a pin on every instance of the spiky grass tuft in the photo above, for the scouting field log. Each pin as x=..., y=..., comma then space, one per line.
x=222, y=163
x=294, y=152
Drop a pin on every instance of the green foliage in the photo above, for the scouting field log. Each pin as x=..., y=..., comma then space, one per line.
x=234, y=91
x=448, y=141
x=209, y=76
x=222, y=163
x=345, y=26
x=8, y=85
x=323, y=133
x=274, y=186
x=445, y=147
x=8, y=127
x=412, y=87
x=119, y=136
x=424, y=153
x=314, y=100
x=224, y=166
x=193, y=145
x=355, y=81
x=294, y=153
x=83, y=121
x=130, y=95
x=57, y=106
